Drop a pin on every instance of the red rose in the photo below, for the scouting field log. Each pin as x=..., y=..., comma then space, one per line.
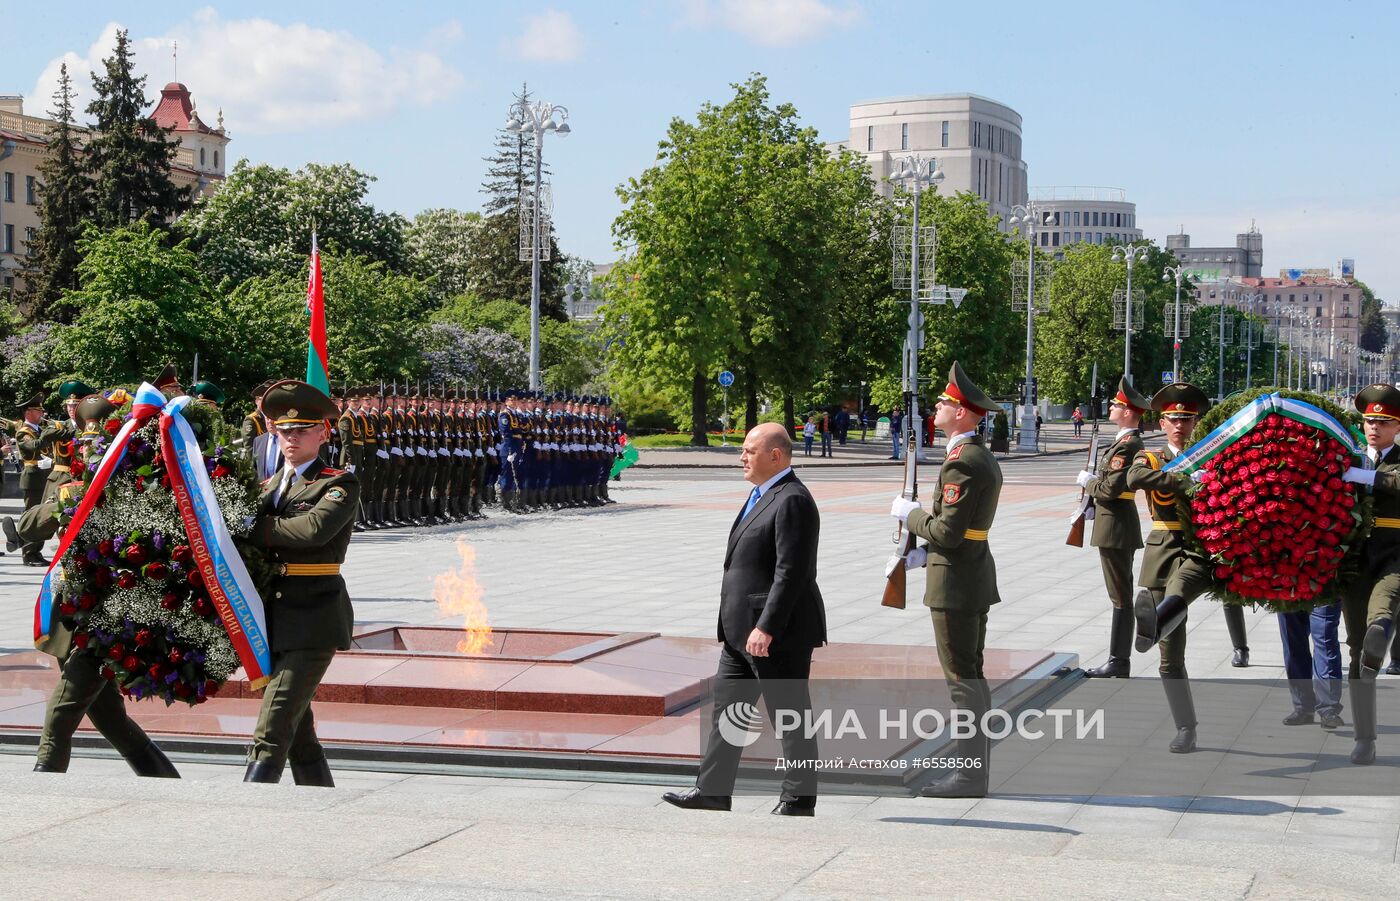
x=67, y=609
x=194, y=578
x=155, y=671
x=112, y=426
x=181, y=553
x=106, y=672
x=126, y=579
x=203, y=607
x=80, y=639
x=130, y=662
x=176, y=655
x=220, y=471
x=116, y=651
x=87, y=600
x=155, y=571
x=102, y=577
x=105, y=548
x=135, y=553
x=143, y=638
x=170, y=601
x=183, y=690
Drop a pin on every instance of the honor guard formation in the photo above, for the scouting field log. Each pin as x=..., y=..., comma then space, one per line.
x=429, y=456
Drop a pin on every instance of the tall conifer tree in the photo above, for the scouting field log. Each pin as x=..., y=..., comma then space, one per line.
x=65, y=205
x=129, y=156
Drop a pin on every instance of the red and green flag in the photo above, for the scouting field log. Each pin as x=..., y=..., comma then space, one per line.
x=318, y=362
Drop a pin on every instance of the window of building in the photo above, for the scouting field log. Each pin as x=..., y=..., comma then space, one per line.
x=1078, y=236
x=9, y=187
x=944, y=140
x=1096, y=219
x=1346, y=298
x=9, y=283
x=1055, y=239
x=30, y=196
x=1044, y=239
x=1098, y=237
x=216, y=159
x=869, y=141
x=1319, y=312
x=8, y=245
x=29, y=234
x=201, y=156
x=904, y=136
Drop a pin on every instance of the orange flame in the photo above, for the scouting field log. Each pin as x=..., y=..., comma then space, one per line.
x=458, y=593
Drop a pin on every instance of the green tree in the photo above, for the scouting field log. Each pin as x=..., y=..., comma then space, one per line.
x=569, y=359
x=733, y=231
x=65, y=204
x=259, y=222
x=1372, y=333
x=439, y=249
x=143, y=304
x=373, y=324
x=129, y=155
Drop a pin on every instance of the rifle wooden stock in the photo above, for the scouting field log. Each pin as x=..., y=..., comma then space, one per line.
x=897, y=583
x=1076, y=528
x=1076, y=532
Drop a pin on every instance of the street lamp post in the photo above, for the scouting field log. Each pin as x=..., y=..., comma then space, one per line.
x=1169, y=274
x=914, y=169
x=1130, y=254
x=536, y=119
x=1027, y=216
x=1248, y=301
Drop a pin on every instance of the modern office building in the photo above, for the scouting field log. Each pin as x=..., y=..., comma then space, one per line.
x=1244, y=260
x=974, y=140
x=1088, y=215
x=198, y=166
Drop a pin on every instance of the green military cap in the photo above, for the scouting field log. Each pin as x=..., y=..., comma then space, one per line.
x=208, y=392
x=1378, y=402
x=1130, y=397
x=292, y=404
x=95, y=408
x=262, y=389
x=1180, y=400
x=75, y=388
x=36, y=401
x=962, y=390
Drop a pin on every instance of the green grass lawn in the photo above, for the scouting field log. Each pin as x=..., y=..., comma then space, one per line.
x=679, y=439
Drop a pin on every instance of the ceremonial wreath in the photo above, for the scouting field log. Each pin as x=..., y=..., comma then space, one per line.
x=1269, y=508
x=151, y=576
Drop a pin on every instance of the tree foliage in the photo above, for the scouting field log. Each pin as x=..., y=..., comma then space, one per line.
x=259, y=222
x=481, y=358
x=65, y=205
x=569, y=357
x=439, y=250
x=129, y=155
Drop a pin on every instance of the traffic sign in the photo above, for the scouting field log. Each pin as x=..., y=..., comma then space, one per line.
x=1168, y=376
x=726, y=378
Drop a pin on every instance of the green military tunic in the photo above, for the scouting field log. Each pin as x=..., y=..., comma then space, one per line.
x=251, y=428
x=1376, y=590
x=961, y=573
x=1117, y=532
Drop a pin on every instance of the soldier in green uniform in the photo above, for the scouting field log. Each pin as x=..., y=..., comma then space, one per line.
x=1369, y=607
x=351, y=443
x=1172, y=577
x=1117, y=532
x=81, y=690
x=253, y=425
x=962, y=578
x=209, y=394
x=305, y=521
x=372, y=481
x=33, y=479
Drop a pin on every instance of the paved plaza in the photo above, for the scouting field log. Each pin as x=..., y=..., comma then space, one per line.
x=651, y=563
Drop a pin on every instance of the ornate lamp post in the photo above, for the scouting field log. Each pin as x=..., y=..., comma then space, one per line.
x=1027, y=217
x=1176, y=273
x=1130, y=254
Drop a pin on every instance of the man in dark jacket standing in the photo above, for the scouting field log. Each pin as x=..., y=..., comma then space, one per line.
x=771, y=617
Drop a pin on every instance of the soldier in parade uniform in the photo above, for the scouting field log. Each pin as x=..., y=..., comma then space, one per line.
x=81, y=690
x=1117, y=532
x=367, y=421
x=511, y=428
x=305, y=520
x=254, y=425
x=350, y=443
x=962, y=581
x=1172, y=576
x=209, y=394
x=33, y=477
x=1369, y=607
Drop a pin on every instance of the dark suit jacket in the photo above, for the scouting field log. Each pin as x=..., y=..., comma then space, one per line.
x=770, y=573
x=260, y=456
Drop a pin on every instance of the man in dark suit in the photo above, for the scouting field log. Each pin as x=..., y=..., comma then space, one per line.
x=771, y=616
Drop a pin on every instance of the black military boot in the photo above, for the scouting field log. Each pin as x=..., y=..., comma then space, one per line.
x=1234, y=622
x=1120, y=643
x=1178, y=689
x=1375, y=643
x=969, y=781
x=42, y=767
x=151, y=762
x=1363, y=712
x=263, y=771
x=316, y=773
x=1156, y=621
x=12, y=540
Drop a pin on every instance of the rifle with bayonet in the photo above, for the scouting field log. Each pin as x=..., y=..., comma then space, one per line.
x=1085, y=509
x=896, y=583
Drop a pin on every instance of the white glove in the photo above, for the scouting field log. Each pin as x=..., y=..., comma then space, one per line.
x=1359, y=476
x=510, y=458
x=1198, y=476
x=398, y=452
x=46, y=462
x=1083, y=480
x=491, y=451
x=349, y=467
x=382, y=454
x=901, y=508
x=916, y=558
x=477, y=452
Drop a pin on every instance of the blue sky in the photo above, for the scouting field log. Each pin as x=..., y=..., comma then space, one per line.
x=1209, y=114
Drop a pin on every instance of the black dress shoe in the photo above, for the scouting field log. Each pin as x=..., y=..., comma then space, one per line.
x=46, y=768
x=1393, y=669
x=263, y=771
x=1114, y=668
x=957, y=785
x=1185, y=740
x=35, y=561
x=12, y=541
x=1363, y=753
x=1240, y=657
x=691, y=799
x=796, y=808
x=1330, y=721
x=1298, y=718
x=317, y=773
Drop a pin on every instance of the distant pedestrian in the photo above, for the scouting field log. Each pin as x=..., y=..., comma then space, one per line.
x=1038, y=423
x=897, y=432
x=843, y=425
x=826, y=434
x=809, y=431
x=1078, y=418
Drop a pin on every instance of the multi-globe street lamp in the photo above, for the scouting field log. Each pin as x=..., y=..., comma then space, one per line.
x=1176, y=273
x=536, y=119
x=1130, y=254
x=919, y=172
x=1027, y=217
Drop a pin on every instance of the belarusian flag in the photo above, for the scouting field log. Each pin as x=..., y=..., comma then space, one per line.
x=317, y=360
